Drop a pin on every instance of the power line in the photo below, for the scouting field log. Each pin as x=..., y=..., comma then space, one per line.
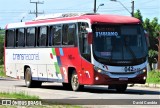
x=36, y=12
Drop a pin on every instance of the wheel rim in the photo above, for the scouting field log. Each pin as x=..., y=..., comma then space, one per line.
x=27, y=77
x=75, y=82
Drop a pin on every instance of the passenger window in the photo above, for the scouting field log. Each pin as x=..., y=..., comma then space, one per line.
x=20, y=38
x=55, y=35
x=51, y=35
x=43, y=36
x=30, y=39
x=69, y=32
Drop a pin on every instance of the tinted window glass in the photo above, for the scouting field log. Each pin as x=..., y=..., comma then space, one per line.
x=69, y=31
x=56, y=30
x=83, y=43
x=20, y=38
x=10, y=38
x=43, y=36
x=51, y=38
x=30, y=39
x=114, y=43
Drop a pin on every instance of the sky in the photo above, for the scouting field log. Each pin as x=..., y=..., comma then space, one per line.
x=12, y=11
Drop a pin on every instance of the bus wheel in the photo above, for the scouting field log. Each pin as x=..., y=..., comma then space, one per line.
x=75, y=83
x=121, y=88
x=28, y=78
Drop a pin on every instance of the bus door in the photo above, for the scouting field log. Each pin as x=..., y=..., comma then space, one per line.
x=84, y=47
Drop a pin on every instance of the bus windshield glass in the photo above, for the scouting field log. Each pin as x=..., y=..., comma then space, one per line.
x=119, y=44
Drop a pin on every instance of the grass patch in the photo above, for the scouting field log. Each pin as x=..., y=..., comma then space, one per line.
x=153, y=77
x=22, y=96
x=2, y=73
x=15, y=95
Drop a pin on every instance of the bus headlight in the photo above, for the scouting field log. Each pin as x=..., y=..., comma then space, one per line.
x=98, y=69
x=144, y=70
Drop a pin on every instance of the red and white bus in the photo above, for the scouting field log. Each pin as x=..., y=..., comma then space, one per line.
x=77, y=50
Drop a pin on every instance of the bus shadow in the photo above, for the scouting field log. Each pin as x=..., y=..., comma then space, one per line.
x=100, y=90
x=128, y=91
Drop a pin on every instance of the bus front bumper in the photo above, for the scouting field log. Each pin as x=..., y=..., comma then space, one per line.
x=104, y=79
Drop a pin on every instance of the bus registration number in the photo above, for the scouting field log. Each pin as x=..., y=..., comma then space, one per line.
x=130, y=69
x=123, y=78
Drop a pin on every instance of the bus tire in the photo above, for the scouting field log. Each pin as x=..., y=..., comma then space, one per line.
x=28, y=78
x=75, y=83
x=120, y=88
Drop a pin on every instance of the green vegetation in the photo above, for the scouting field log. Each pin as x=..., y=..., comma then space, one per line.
x=153, y=28
x=154, y=77
x=15, y=95
x=2, y=33
x=2, y=74
x=23, y=95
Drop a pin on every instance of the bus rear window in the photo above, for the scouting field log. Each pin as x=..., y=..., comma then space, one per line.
x=10, y=38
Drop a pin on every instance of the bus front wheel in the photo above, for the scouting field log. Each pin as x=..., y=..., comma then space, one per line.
x=75, y=83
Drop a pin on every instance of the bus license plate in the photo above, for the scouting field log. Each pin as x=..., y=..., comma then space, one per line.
x=123, y=78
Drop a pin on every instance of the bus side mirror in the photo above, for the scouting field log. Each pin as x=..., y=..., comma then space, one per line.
x=85, y=30
x=88, y=30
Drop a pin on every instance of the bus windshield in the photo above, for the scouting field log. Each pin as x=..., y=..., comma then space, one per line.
x=119, y=44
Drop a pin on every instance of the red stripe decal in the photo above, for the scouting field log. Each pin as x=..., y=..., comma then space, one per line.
x=51, y=55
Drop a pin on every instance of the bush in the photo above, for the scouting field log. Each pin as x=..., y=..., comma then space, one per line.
x=1, y=46
x=2, y=73
x=153, y=77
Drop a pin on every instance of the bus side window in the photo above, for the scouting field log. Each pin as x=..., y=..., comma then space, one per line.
x=65, y=34
x=30, y=37
x=57, y=31
x=43, y=36
x=10, y=38
x=69, y=31
x=71, y=34
x=20, y=38
x=50, y=37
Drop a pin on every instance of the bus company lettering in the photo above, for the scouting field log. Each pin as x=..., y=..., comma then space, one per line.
x=101, y=34
x=26, y=56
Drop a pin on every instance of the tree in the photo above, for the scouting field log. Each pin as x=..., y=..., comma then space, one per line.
x=138, y=15
x=151, y=27
x=1, y=46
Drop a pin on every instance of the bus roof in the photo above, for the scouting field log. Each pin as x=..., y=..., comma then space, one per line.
x=92, y=18
x=111, y=19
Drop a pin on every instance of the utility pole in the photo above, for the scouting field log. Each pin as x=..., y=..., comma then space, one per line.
x=132, y=13
x=94, y=6
x=36, y=12
x=132, y=6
